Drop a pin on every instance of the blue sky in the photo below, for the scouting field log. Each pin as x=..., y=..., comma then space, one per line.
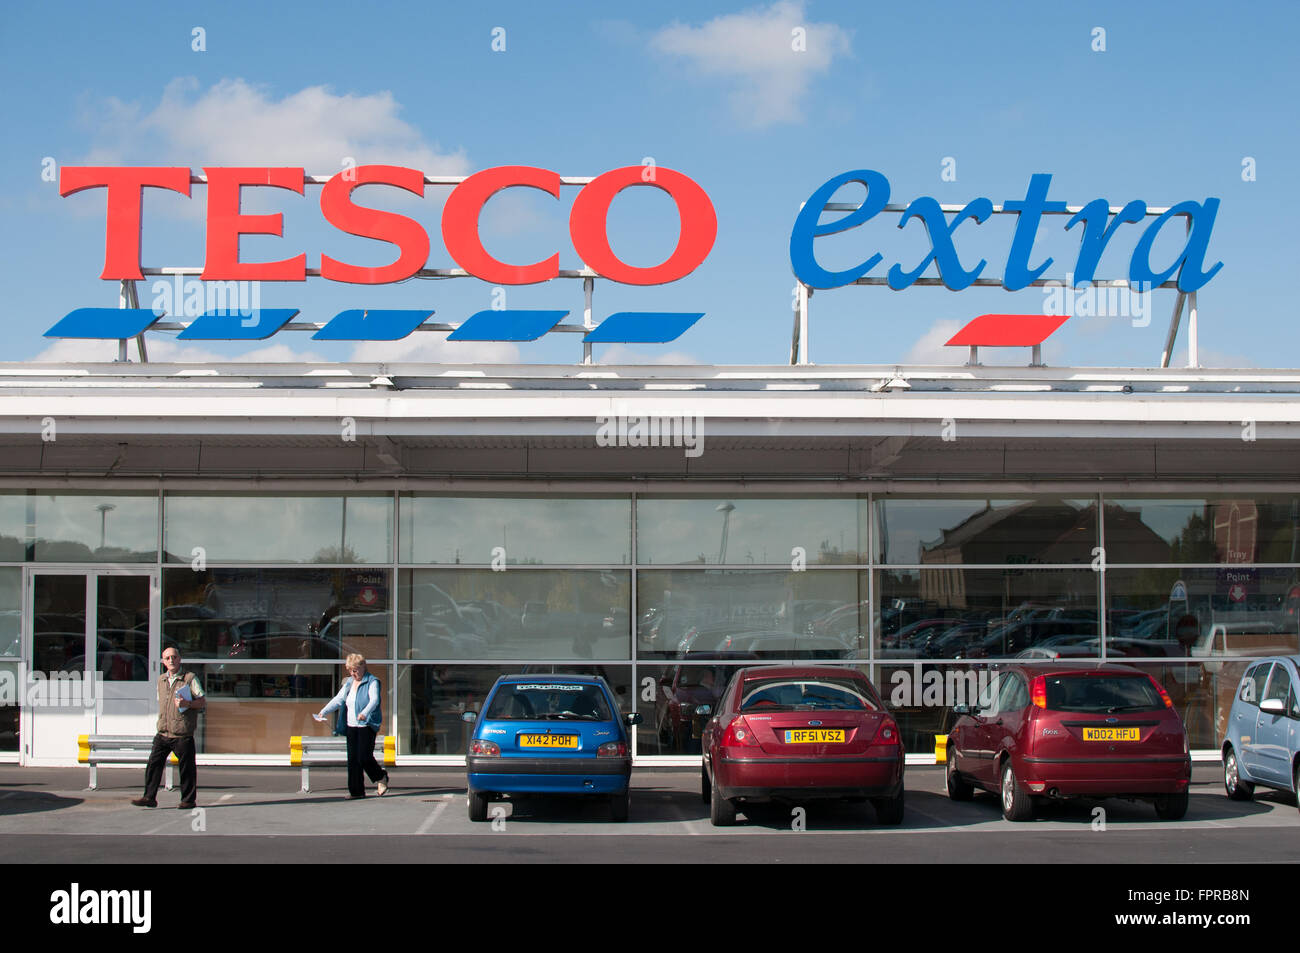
x=1181, y=95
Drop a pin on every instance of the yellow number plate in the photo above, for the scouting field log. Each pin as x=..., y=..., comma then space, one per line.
x=1112, y=734
x=814, y=736
x=548, y=741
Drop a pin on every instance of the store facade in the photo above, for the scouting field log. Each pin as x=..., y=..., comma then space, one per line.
x=456, y=526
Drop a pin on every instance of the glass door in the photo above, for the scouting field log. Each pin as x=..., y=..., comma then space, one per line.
x=94, y=648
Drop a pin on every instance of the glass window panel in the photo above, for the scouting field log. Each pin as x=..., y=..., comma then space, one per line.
x=987, y=613
x=519, y=614
x=122, y=628
x=670, y=723
x=278, y=529
x=921, y=697
x=13, y=527
x=11, y=584
x=740, y=530
x=92, y=527
x=59, y=623
x=1239, y=529
x=749, y=614
x=1011, y=532
x=530, y=530
x=277, y=613
x=1202, y=694
x=9, y=707
x=431, y=699
x=1227, y=611
x=255, y=709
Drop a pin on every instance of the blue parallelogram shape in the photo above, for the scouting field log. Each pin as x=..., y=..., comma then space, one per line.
x=369, y=324
x=507, y=325
x=642, y=327
x=256, y=325
x=117, y=323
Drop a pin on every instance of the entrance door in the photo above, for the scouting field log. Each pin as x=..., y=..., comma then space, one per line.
x=94, y=648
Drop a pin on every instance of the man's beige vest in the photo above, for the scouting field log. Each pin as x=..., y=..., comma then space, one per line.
x=173, y=723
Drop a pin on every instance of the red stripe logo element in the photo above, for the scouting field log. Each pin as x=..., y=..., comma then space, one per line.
x=1008, y=330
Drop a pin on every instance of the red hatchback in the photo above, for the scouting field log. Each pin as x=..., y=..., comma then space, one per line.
x=1061, y=732
x=790, y=733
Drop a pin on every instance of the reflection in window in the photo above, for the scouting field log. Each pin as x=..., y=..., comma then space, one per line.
x=749, y=530
x=93, y=527
x=519, y=614
x=754, y=614
x=1043, y=531
x=516, y=531
x=288, y=529
x=277, y=613
x=1244, y=529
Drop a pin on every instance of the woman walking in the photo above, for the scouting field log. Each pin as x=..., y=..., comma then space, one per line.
x=360, y=718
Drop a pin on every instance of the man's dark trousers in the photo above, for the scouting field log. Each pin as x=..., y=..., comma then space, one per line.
x=164, y=745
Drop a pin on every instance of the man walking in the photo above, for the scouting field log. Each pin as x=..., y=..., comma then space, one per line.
x=180, y=699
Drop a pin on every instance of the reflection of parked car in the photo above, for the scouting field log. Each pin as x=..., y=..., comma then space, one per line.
x=791, y=733
x=681, y=691
x=1262, y=746
x=1242, y=638
x=1070, y=731
x=549, y=734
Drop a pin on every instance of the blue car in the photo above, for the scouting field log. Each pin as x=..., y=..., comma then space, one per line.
x=1262, y=742
x=549, y=734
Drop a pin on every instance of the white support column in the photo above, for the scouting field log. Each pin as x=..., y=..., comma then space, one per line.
x=805, y=353
x=588, y=286
x=1172, y=336
x=1193, y=349
x=125, y=291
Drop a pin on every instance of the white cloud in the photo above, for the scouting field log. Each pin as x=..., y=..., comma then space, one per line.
x=768, y=66
x=237, y=123
x=163, y=350
x=432, y=348
x=622, y=354
x=930, y=349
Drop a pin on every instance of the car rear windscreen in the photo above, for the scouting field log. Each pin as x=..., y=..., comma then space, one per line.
x=822, y=694
x=1102, y=693
x=549, y=701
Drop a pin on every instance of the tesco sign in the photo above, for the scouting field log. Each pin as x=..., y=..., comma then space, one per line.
x=460, y=220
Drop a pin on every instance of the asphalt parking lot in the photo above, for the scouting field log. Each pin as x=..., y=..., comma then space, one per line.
x=260, y=816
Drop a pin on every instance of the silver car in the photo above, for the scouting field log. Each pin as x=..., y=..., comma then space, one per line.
x=1262, y=742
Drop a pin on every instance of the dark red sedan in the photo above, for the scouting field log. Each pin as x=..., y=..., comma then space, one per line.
x=795, y=734
x=1070, y=731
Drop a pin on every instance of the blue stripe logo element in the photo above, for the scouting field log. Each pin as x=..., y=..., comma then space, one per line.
x=370, y=325
x=256, y=325
x=115, y=323
x=642, y=327
x=507, y=325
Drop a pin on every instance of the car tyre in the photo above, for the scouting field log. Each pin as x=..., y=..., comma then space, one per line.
x=1171, y=807
x=722, y=813
x=959, y=789
x=478, y=805
x=1236, y=788
x=889, y=810
x=1017, y=805
x=619, y=805
x=705, y=786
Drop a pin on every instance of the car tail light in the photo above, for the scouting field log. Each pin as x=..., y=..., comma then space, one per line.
x=1169, y=702
x=739, y=735
x=1038, y=691
x=612, y=749
x=485, y=749
x=887, y=733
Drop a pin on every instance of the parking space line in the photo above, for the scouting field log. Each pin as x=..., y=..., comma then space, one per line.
x=432, y=818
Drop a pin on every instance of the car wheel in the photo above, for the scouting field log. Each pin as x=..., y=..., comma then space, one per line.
x=705, y=786
x=959, y=789
x=618, y=806
x=1236, y=788
x=722, y=813
x=889, y=810
x=478, y=804
x=1017, y=805
x=1171, y=807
